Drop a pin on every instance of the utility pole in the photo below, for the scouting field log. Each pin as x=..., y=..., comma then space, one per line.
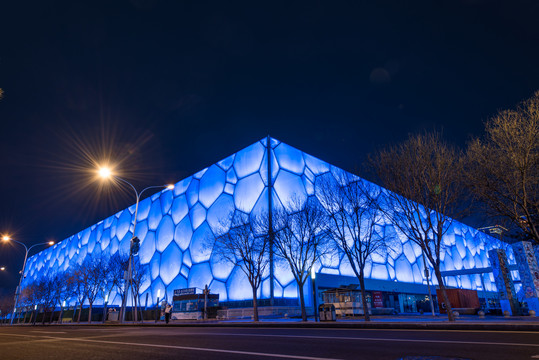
x=270, y=221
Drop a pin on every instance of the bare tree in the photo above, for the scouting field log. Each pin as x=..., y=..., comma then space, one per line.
x=301, y=239
x=109, y=279
x=139, y=276
x=424, y=179
x=6, y=305
x=64, y=290
x=354, y=221
x=87, y=283
x=92, y=276
x=245, y=244
x=119, y=263
x=79, y=285
x=28, y=299
x=504, y=168
x=44, y=294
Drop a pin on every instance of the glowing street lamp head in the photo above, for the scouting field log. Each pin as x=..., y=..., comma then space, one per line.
x=51, y=243
x=6, y=238
x=105, y=172
x=170, y=186
x=2, y=268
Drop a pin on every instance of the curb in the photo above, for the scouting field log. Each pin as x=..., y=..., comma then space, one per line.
x=333, y=325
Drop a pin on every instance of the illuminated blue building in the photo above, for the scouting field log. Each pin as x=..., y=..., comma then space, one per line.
x=174, y=226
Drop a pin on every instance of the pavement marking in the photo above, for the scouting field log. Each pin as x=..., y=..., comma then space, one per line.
x=375, y=339
x=390, y=329
x=250, y=353
x=48, y=332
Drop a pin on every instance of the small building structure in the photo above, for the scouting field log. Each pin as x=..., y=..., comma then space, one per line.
x=188, y=305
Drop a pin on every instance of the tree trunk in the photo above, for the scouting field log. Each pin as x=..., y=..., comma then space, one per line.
x=104, y=312
x=302, y=303
x=80, y=312
x=255, y=305
x=364, y=297
x=25, y=313
x=121, y=314
x=447, y=303
x=52, y=314
x=61, y=314
x=135, y=318
x=90, y=314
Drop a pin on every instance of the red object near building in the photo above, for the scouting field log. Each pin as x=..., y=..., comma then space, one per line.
x=378, y=299
x=461, y=300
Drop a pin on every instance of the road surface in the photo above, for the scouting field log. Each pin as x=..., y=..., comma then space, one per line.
x=162, y=342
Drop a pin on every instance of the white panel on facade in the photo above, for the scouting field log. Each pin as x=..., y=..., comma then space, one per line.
x=179, y=209
x=166, y=201
x=316, y=166
x=247, y=192
x=200, y=250
x=211, y=185
x=181, y=186
x=171, y=262
x=220, y=214
x=154, y=218
x=289, y=186
x=219, y=287
x=226, y=163
x=147, y=248
x=290, y=158
x=248, y=160
x=198, y=215
x=238, y=286
x=200, y=275
x=183, y=233
x=165, y=233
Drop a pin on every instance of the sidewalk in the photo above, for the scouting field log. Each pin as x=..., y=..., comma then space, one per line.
x=439, y=322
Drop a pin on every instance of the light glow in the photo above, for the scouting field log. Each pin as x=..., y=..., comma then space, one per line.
x=51, y=243
x=6, y=238
x=105, y=172
x=170, y=186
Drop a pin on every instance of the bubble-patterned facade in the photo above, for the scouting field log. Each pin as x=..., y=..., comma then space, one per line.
x=174, y=227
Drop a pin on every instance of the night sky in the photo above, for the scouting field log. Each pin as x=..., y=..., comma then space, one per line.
x=163, y=89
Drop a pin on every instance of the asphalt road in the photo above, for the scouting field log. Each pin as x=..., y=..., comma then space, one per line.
x=108, y=342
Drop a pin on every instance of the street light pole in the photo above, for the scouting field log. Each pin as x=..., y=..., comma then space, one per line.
x=313, y=278
x=106, y=173
x=18, y=289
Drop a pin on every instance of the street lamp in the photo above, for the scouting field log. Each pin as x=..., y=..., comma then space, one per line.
x=106, y=173
x=18, y=289
x=313, y=278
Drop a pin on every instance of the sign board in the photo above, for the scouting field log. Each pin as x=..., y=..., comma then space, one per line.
x=186, y=291
x=378, y=299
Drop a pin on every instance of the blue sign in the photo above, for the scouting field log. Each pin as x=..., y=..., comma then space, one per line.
x=186, y=291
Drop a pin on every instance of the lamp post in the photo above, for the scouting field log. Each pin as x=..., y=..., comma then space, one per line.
x=313, y=278
x=426, y=270
x=157, y=307
x=106, y=173
x=18, y=289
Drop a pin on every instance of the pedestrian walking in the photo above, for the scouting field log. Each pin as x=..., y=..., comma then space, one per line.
x=168, y=310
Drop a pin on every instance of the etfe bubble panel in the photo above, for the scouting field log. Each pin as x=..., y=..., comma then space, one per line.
x=174, y=227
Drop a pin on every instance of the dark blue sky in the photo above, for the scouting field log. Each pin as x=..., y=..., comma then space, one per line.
x=171, y=87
